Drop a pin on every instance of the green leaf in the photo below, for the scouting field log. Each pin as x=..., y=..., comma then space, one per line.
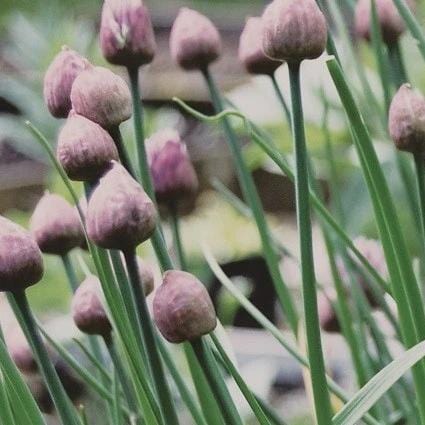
x=366, y=397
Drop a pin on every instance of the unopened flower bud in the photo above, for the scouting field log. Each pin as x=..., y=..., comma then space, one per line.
x=391, y=23
x=172, y=171
x=327, y=317
x=294, y=30
x=87, y=309
x=101, y=96
x=55, y=225
x=194, y=41
x=84, y=149
x=251, y=53
x=119, y=215
x=182, y=308
x=58, y=81
x=126, y=33
x=21, y=263
x=407, y=120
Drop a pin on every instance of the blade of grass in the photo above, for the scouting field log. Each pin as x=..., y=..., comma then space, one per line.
x=6, y=414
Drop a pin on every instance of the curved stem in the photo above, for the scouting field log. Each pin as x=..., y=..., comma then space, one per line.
x=314, y=344
x=251, y=196
x=217, y=385
x=60, y=399
x=163, y=390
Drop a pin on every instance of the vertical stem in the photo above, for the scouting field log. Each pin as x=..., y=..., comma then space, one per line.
x=251, y=196
x=122, y=152
x=56, y=390
x=314, y=344
x=219, y=389
x=70, y=272
x=175, y=227
x=282, y=101
x=397, y=65
x=163, y=390
x=420, y=175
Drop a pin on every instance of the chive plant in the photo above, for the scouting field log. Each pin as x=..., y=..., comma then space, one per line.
x=121, y=213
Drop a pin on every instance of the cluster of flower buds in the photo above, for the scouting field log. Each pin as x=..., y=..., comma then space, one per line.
x=21, y=263
x=294, y=30
x=407, y=120
x=173, y=175
x=182, y=308
x=56, y=226
x=87, y=309
x=194, y=41
x=391, y=23
x=251, y=53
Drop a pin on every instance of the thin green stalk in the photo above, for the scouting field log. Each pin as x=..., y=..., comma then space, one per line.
x=70, y=272
x=175, y=227
x=282, y=100
x=218, y=387
x=314, y=345
x=181, y=385
x=120, y=372
x=251, y=195
x=122, y=151
x=63, y=405
x=163, y=390
x=420, y=175
x=6, y=414
x=249, y=396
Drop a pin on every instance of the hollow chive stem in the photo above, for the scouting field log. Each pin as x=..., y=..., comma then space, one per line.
x=70, y=272
x=251, y=196
x=314, y=344
x=282, y=100
x=60, y=399
x=163, y=390
x=122, y=152
x=216, y=382
x=121, y=373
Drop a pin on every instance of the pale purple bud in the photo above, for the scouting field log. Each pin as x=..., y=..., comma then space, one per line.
x=21, y=263
x=120, y=214
x=172, y=171
x=126, y=33
x=294, y=30
x=194, y=41
x=101, y=96
x=58, y=81
x=87, y=309
x=84, y=149
x=55, y=225
x=251, y=53
x=406, y=120
x=182, y=308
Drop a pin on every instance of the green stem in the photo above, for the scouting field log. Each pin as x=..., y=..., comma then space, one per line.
x=6, y=413
x=314, y=345
x=163, y=390
x=251, y=196
x=420, y=175
x=282, y=100
x=249, y=396
x=122, y=152
x=215, y=380
x=397, y=65
x=70, y=272
x=62, y=403
x=175, y=226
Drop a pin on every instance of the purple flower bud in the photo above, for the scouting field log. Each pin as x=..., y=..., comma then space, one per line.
x=406, y=120
x=55, y=225
x=194, y=42
x=391, y=23
x=21, y=263
x=251, y=53
x=58, y=81
x=84, y=149
x=172, y=171
x=87, y=308
x=101, y=96
x=119, y=215
x=182, y=308
x=294, y=30
x=327, y=317
x=126, y=33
